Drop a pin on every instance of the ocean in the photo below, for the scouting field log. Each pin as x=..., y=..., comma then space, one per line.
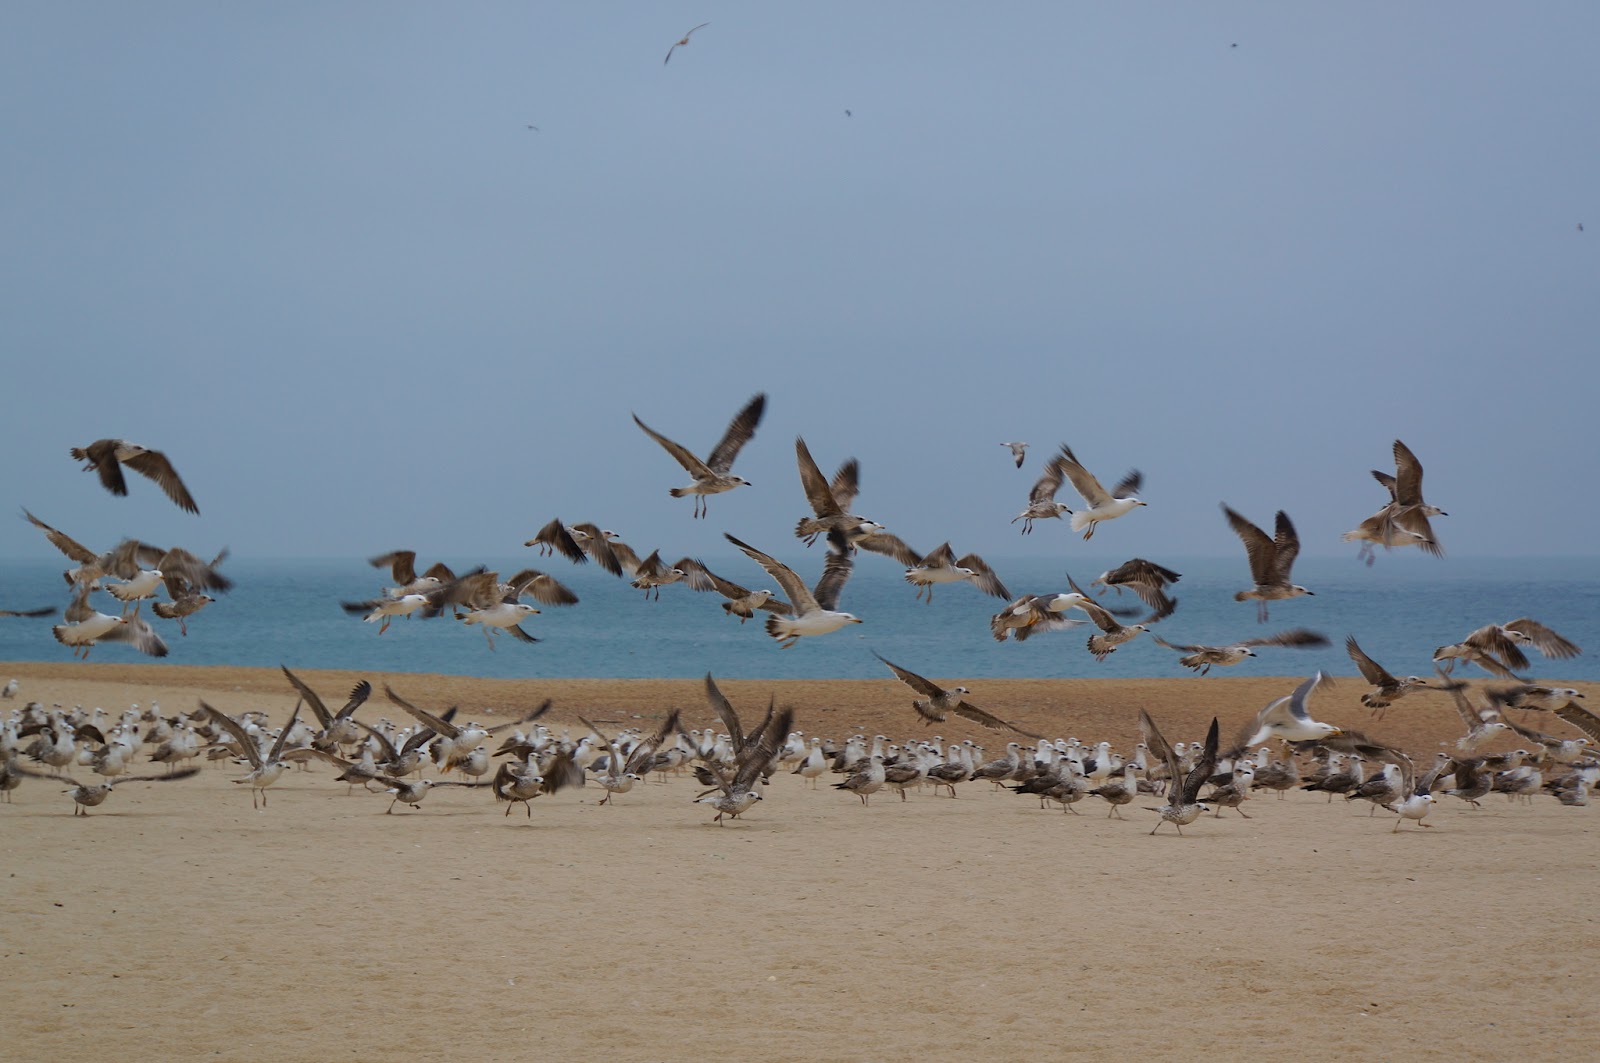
x=287, y=612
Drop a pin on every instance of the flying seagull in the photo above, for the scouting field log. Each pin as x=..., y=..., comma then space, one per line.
x=1103, y=504
x=937, y=701
x=1018, y=450
x=814, y=610
x=1270, y=560
x=942, y=566
x=683, y=42
x=107, y=456
x=1042, y=504
x=1203, y=658
x=712, y=476
x=1287, y=718
x=1146, y=579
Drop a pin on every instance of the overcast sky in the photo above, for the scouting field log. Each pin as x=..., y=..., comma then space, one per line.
x=314, y=252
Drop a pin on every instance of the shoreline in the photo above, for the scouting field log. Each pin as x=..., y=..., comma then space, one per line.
x=1090, y=709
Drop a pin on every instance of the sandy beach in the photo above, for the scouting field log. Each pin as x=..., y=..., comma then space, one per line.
x=176, y=922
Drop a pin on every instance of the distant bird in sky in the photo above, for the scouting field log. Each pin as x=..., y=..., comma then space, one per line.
x=1270, y=560
x=107, y=456
x=534, y=128
x=847, y=114
x=683, y=42
x=712, y=476
x=1018, y=452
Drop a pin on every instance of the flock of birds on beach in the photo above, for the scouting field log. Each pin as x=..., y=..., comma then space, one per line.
x=733, y=764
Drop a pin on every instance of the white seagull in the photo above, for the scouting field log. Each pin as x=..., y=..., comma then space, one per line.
x=1103, y=504
x=814, y=610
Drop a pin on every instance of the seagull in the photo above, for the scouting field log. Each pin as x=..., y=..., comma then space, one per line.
x=1033, y=613
x=830, y=499
x=265, y=769
x=107, y=456
x=1018, y=450
x=1103, y=504
x=1146, y=579
x=121, y=561
x=1113, y=632
x=712, y=476
x=402, y=565
x=384, y=609
x=1270, y=561
x=85, y=625
x=937, y=701
x=1387, y=689
x=814, y=610
x=556, y=538
x=1203, y=658
x=481, y=598
x=741, y=602
x=1497, y=647
x=1286, y=718
x=337, y=728
x=623, y=771
x=651, y=574
x=87, y=797
x=1042, y=504
x=515, y=783
x=1183, y=793
x=733, y=795
x=942, y=566
x=683, y=42
x=1404, y=521
x=412, y=793
x=32, y=613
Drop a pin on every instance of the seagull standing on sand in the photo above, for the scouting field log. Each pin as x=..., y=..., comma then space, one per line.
x=1103, y=504
x=265, y=769
x=1270, y=561
x=712, y=476
x=814, y=610
x=107, y=456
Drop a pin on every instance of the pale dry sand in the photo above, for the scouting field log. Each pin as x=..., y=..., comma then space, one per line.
x=174, y=922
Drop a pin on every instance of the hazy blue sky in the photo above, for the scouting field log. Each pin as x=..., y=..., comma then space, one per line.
x=313, y=252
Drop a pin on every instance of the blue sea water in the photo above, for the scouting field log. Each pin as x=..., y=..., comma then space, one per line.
x=1400, y=609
